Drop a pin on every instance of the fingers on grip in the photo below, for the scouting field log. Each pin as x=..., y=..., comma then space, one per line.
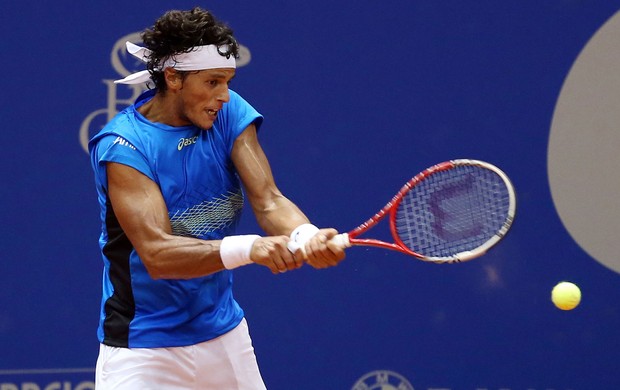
x=295, y=246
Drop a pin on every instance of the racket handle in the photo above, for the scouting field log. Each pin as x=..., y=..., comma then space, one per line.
x=295, y=246
x=342, y=240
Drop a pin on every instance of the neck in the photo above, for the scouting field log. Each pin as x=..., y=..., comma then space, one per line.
x=162, y=108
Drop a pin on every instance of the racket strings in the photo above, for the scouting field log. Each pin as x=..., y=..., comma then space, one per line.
x=453, y=211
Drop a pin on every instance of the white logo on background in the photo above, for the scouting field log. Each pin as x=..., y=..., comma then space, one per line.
x=382, y=380
x=120, y=96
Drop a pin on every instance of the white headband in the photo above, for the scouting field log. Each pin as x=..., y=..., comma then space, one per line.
x=200, y=58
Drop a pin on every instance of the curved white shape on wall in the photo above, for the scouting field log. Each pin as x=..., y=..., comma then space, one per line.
x=584, y=148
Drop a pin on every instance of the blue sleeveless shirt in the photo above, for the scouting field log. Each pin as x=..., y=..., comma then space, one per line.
x=194, y=171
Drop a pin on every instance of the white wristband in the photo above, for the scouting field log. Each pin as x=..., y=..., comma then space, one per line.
x=235, y=250
x=301, y=235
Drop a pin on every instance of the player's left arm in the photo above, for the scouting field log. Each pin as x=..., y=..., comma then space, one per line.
x=275, y=213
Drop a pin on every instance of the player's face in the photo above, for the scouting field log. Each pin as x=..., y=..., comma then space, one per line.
x=203, y=95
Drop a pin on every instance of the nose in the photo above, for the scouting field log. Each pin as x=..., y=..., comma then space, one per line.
x=224, y=95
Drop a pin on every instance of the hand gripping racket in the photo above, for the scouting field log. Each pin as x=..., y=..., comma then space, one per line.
x=451, y=212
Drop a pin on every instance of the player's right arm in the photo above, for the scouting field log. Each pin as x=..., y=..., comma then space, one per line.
x=142, y=214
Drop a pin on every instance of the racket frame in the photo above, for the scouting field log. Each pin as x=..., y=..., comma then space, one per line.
x=351, y=238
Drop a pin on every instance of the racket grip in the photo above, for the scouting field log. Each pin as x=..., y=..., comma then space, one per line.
x=342, y=240
x=295, y=246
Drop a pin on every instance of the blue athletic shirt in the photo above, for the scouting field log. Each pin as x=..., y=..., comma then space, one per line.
x=194, y=171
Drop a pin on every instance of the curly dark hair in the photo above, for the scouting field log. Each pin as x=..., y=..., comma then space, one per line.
x=180, y=32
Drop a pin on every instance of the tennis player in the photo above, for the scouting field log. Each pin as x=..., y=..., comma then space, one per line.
x=169, y=173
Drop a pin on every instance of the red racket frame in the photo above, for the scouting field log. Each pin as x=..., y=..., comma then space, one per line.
x=351, y=238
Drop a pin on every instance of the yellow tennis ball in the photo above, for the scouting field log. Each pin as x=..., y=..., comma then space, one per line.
x=566, y=295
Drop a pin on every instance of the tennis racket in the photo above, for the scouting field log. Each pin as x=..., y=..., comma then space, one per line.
x=451, y=212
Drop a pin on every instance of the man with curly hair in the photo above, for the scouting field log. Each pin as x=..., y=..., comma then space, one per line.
x=169, y=173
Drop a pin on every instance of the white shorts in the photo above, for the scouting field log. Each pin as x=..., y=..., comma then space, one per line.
x=224, y=363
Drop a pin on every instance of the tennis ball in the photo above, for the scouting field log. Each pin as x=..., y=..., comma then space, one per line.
x=566, y=295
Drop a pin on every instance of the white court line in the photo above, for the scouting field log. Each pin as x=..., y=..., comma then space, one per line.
x=36, y=371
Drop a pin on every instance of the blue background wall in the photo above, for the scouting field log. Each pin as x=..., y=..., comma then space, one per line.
x=358, y=96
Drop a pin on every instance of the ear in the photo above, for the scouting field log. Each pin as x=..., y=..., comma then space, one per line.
x=173, y=79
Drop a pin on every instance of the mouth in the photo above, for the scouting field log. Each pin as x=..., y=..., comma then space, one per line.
x=212, y=112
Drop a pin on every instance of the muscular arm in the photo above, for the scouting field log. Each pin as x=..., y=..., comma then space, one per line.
x=142, y=213
x=275, y=213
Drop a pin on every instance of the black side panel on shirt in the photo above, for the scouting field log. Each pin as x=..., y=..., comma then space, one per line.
x=120, y=308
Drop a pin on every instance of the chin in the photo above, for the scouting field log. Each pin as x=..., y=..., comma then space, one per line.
x=206, y=125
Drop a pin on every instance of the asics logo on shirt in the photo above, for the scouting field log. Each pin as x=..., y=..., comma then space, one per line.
x=183, y=142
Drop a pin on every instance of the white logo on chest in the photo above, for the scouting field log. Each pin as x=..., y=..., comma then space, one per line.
x=183, y=142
